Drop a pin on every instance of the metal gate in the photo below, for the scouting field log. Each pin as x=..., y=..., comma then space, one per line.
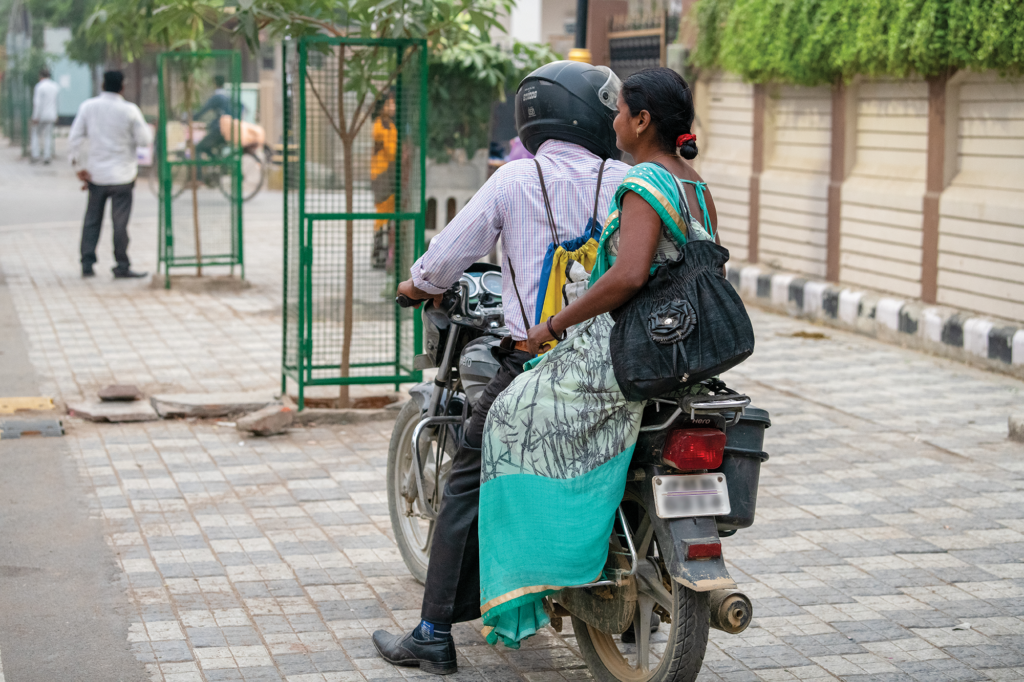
x=199, y=161
x=637, y=42
x=354, y=210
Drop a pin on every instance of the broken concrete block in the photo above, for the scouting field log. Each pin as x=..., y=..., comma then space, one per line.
x=16, y=428
x=14, y=405
x=94, y=411
x=1017, y=427
x=208, y=405
x=270, y=420
x=120, y=392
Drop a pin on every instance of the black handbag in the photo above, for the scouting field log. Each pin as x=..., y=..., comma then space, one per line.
x=686, y=325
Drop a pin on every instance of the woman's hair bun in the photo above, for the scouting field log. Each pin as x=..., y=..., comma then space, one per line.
x=688, y=149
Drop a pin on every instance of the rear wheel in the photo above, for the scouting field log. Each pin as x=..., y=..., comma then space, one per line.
x=410, y=519
x=675, y=652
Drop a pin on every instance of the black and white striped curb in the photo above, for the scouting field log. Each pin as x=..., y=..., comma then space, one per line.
x=945, y=331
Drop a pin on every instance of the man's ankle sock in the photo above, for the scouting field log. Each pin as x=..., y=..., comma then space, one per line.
x=427, y=630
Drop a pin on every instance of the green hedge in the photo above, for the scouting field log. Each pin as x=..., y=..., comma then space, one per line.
x=810, y=42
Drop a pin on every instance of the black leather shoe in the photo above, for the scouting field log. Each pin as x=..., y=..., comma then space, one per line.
x=629, y=636
x=127, y=274
x=87, y=271
x=435, y=655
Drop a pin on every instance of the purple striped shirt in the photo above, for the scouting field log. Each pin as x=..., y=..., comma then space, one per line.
x=511, y=206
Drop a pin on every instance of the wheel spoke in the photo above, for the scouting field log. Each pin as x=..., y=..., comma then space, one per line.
x=651, y=587
x=642, y=629
x=643, y=537
x=430, y=536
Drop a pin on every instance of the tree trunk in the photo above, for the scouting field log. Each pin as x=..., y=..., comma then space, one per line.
x=194, y=175
x=346, y=344
x=347, y=138
x=194, y=181
x=138, y=80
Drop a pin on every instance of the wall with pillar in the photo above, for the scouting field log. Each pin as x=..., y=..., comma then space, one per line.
x=725, y=135
x=981, y=224
x=794, y=183
x=912, y=188
x=881, y=198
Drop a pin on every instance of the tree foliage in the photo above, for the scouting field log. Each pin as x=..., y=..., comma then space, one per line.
x=463, y=86
x=810, y=42
x=468, y=72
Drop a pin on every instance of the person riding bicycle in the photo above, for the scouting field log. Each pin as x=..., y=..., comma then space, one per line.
x=219, y=104
x=564, y=114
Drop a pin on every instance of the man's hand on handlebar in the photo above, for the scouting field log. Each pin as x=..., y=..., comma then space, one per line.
x=416, y=296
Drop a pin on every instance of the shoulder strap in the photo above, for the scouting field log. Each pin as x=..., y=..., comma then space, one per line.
x=684, y=208
x=699, y=188
x=547, y=205
x=597, y=194
x=522, y=308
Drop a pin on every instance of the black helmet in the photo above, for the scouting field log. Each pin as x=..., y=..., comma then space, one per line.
x=569, y=101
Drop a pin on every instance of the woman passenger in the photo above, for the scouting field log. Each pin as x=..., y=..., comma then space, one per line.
x=558, y=441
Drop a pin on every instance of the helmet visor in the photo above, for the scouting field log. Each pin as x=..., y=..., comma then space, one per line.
x=608, y=93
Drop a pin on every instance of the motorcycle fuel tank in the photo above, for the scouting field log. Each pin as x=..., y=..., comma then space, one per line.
x=477, y=366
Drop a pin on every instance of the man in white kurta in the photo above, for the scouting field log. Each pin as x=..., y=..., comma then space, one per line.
x=114, y=128
x=44, y=116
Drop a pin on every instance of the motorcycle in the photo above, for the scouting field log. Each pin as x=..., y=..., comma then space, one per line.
x=692, y=480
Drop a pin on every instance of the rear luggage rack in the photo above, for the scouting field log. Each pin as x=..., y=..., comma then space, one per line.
x=701, y=404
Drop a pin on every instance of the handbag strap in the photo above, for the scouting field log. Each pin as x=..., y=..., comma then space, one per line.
x=547, y=205
x=515, y=287
x=597, y=194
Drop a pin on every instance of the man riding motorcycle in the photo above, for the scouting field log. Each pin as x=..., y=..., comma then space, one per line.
x=564, y=114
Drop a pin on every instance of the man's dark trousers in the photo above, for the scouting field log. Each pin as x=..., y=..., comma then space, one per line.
x=120, y=210
x=452, y=590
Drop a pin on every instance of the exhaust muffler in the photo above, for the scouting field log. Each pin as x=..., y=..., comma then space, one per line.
x=731, y=611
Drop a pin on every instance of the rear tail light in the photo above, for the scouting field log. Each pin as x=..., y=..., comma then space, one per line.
x=693, y=449
x=707, y=550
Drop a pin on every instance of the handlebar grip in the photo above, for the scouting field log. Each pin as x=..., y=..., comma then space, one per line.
x=406, y=302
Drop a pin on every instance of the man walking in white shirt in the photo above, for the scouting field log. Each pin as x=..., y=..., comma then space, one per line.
x=114, y=128
x=44, y=116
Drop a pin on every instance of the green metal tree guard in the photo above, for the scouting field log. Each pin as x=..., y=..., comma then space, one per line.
x=355, y=110
x=16, y=107
x=199, y=161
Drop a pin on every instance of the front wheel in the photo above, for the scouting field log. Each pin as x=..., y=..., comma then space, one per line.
x=672, y=656
x=410, y=520
x=253, y=174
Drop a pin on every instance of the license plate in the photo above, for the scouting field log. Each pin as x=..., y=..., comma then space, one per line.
x=695, y=495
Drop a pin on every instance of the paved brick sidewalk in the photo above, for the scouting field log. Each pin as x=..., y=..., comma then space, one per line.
x=892, y=508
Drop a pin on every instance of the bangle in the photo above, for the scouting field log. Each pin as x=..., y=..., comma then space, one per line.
x=551, y=329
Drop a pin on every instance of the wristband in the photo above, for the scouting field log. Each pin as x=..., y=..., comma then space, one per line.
x=551, y=329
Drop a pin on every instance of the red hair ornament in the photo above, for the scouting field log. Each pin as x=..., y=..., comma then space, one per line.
x=684, y=138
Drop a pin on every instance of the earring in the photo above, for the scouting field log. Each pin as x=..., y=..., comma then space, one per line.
x=638, y=133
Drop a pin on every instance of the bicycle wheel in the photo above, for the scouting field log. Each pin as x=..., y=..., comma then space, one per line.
x=179, y=179
x=253, y=172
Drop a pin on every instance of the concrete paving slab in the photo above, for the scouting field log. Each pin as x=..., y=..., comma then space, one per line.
x=209, y=405
x=114, y=412
x=120, y=392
